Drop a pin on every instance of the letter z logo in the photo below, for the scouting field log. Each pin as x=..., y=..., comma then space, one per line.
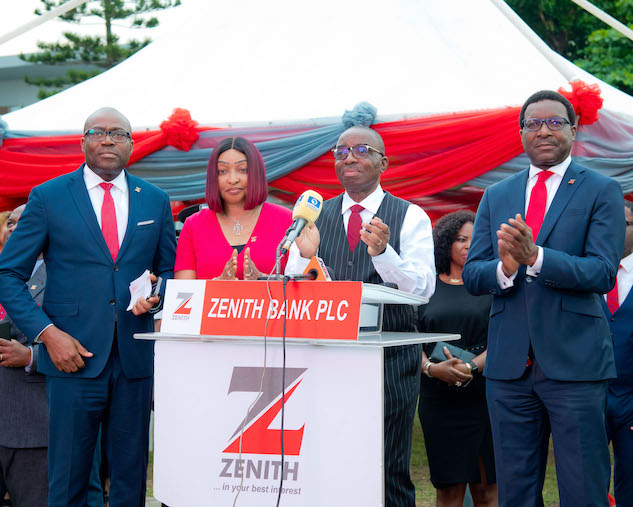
x=258, y=438
x=184, y=303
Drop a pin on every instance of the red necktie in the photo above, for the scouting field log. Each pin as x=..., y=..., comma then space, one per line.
x=108, y=221
x=354, y=226
x=538, y=202
x=613, y=300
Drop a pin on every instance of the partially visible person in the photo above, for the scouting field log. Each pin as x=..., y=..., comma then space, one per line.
x=24, y=414
x=4, y=219
x=452, y=406
x=550, y=351
x=366, y=234
x=99, y=229
x=618, y=308
x=237, y=236
x=4, y=223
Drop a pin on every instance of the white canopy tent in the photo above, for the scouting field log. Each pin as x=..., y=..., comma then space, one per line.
x=285, y=61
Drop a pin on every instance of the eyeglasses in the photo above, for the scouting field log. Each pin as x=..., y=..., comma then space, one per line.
x=118, y=136
x=553, y=123
x=359, y=151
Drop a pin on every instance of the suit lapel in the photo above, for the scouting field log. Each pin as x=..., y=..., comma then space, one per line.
x=136, y=200
x=515, y=202
x=572, y=180
x=80, y=195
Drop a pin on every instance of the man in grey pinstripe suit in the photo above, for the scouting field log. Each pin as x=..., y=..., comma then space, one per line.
x=392, y=242
x=24, y=412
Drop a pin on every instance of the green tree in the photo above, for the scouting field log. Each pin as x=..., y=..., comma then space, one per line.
x=104, y=52
x=582, y=38
x=562, y=24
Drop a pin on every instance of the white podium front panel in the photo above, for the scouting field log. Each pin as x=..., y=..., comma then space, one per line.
x=333, y=427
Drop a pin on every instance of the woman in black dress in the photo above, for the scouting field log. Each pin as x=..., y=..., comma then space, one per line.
x=452, y=406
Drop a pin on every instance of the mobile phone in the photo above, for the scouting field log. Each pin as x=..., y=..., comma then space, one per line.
x=5, y=330
x=156, y=287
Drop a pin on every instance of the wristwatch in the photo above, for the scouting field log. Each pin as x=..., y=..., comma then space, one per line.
x=473, y=367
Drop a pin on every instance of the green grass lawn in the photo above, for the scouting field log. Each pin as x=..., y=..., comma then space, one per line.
x=425, y=493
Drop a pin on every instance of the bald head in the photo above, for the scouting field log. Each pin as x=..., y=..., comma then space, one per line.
x=373, y=138
x=360, y=174
x=12, y=221
x=105, y=156
x=108, y=111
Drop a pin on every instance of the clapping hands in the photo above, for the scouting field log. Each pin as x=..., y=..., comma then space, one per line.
x=516, y=245
x=248, y=268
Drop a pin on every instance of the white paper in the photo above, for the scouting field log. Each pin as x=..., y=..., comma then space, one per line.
x=140, y=288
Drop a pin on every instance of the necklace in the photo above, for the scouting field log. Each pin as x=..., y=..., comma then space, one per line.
x=237, y=226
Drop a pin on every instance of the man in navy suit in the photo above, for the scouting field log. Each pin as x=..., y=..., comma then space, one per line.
x=618, y=308
x=550, y=352
x=99, y=228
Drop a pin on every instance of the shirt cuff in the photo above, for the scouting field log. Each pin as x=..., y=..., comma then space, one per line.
x=27, y=368
x=535, y=269
x=37, y=338
x=504, y=281
x=299, y=266
x=389, y=258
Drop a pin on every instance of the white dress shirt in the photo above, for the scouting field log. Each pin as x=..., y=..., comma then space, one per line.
x=119, y=193
x=551, y=184
x=414, y=269
x=625, y=278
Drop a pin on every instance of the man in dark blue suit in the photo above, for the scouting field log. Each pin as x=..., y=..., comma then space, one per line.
x=99, y=228
x=549, y=347
x=618, y=308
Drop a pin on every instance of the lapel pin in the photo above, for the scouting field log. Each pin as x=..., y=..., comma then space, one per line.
x=571, y=182
x=253, y=239
x=33, y=287
x=137, y=189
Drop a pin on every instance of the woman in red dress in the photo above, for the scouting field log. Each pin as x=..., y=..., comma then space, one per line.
x=237, y=236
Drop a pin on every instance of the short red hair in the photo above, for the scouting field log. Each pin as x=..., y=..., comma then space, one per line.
x=257, y=189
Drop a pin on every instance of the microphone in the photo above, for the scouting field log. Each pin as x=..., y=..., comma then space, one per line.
x=307, y=209
x=312, y=274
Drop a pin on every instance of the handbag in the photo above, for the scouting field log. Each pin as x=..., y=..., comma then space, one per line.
x=437, y=356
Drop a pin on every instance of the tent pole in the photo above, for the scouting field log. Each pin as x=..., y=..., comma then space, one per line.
x=551, y=56
x=62, y=9
x=604, y=17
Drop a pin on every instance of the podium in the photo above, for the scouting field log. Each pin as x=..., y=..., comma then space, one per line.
x=212, y=388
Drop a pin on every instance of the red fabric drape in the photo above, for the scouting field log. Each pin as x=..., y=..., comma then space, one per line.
x=426, y=155
x=27, y=162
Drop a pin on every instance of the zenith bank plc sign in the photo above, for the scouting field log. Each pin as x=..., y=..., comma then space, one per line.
x=254, y=308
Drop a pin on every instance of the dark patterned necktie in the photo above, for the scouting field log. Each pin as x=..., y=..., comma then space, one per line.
x=354, y=226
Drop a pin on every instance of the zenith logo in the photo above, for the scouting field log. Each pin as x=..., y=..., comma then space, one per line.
x=258, y=438
x=184, y=303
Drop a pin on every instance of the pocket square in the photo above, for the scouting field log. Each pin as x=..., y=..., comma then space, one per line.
x=146, y=222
